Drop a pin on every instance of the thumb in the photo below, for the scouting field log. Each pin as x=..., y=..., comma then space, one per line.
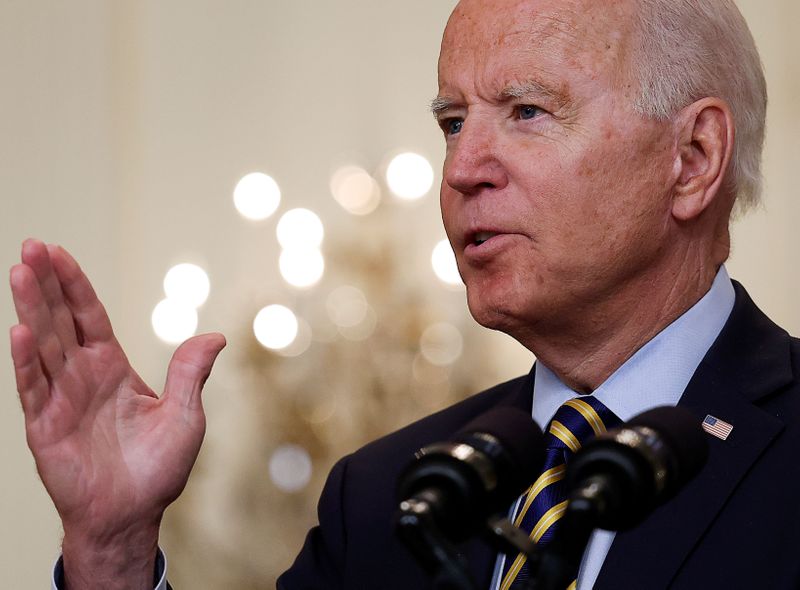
x=190, y=367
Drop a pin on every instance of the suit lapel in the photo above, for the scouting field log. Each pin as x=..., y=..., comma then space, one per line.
x=749, y=360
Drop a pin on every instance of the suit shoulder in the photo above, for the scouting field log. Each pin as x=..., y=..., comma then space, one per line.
x=442, y=424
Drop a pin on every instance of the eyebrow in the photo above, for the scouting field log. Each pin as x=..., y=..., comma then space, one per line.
x=532, y=88
x=440, y=104
x=517, y=91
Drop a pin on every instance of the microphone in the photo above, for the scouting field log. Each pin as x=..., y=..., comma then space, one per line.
x=627, y=472
x=616, y=479
x=478, y=473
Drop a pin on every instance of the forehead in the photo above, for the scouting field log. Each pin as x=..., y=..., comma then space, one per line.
x=502, y=41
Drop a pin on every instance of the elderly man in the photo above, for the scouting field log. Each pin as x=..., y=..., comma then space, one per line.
x=595, y=152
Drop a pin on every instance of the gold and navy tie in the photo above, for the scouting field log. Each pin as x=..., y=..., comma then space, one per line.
x=575, y=422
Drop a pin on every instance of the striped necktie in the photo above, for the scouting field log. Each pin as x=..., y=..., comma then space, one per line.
x=575, y=422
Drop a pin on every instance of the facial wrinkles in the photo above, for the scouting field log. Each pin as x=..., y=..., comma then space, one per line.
x=484, y=44
x=571, y=43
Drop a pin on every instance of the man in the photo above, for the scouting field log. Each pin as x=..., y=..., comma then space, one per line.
x=595, y=152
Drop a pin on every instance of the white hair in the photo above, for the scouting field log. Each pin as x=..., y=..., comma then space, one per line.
x=690, y=49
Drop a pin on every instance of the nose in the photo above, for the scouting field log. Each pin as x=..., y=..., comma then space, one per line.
x=472, y=163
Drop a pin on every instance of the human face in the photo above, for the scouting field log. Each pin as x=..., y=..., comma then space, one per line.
x=555, y=193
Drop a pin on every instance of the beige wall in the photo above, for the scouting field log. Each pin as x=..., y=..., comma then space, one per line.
x=125, y=126
x=55, y=181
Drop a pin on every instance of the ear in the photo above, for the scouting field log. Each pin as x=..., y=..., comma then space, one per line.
x=705, y=148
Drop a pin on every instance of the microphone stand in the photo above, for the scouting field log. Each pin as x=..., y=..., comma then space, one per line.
x=551, y=568
x=417, y=529
x=558, y=562
x=504, y=537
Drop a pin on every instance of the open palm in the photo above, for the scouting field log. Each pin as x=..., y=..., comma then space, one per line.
x=110, y=452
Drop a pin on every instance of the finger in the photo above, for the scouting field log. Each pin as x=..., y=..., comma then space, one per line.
x=89, y=314
x=35, y=254
x=33, y=312
x=190, y=367
x=32, y=386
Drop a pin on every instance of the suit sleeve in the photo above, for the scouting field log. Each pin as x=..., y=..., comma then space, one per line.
x=320, y=564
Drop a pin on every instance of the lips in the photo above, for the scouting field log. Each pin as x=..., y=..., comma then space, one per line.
x=483, y=236
x=482, y=246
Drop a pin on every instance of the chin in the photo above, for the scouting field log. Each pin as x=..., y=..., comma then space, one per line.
x=495, y=309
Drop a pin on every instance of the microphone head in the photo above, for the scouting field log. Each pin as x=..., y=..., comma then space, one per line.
x=519, y=447
x=644, y=463
x=683, y=435
x=479, y=472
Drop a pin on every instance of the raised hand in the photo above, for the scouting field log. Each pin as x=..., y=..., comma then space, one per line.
x=110, y=452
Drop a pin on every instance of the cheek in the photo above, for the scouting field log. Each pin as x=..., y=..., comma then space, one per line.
x=448, y=203
x=596, y=208
x=626, y=206
x=562, y=197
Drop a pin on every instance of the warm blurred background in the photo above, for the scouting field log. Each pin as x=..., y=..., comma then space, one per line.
x=131, y=132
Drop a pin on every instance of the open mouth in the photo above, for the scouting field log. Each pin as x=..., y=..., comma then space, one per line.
x=482, y=237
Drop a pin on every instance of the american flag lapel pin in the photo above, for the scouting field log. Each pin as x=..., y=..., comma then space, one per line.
x=716, y=427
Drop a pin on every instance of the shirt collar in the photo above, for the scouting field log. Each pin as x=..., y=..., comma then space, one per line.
x=659, y=371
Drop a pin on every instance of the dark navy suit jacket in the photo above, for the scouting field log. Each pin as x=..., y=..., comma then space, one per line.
x=737, y=525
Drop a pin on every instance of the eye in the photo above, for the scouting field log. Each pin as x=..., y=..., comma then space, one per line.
x=528, y=111
x=451, y=126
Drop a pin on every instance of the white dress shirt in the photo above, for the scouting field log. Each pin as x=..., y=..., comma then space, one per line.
x=656, y=375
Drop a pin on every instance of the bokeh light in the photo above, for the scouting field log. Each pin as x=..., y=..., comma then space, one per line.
x=173, y=321
x=302, y=267
x=275, y=327
x=409, y=176
x=187, y=284
x=301, y=342
x=363, y=329
x=355, y=190
x=256, y=196
x=300, y=228
x=441, y=344
x=290, y=468
x=444, y=264
x=346, y=306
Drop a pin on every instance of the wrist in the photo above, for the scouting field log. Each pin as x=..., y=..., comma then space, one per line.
x=125, y=560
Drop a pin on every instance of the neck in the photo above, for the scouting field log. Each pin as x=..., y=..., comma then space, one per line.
x=608, y=332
